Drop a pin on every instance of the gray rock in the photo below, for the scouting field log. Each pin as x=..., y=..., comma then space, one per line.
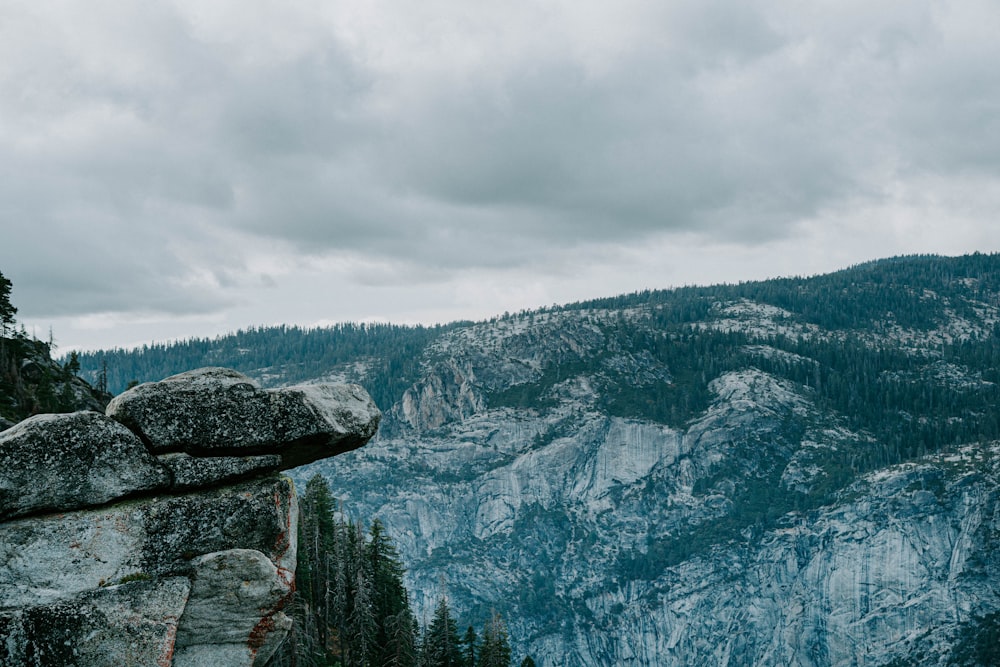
x=316, y=421
x=132, y=624
x=69, y=461
x=108, y=525
x=52, y=557
x=216, y=411
x=223, y=623
x=191, y=472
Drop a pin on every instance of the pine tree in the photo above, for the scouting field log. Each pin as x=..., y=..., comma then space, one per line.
x=7, y=310
x=495, y=650
x=470, y=647
x=394, y=619
x=527, y=662
x=317, y=533
x=73, y=365
x=441, y=644
x=361, y=626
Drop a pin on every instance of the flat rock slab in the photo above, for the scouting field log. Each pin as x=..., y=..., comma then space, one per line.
x=67, y=461
x=220, y=412
x=132, y=624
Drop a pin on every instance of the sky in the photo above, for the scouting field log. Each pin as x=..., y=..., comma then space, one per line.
x=178, y=168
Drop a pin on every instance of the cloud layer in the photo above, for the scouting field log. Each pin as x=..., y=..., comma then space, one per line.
x=180, y=158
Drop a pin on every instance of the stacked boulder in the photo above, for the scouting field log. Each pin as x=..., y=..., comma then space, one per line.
x=161, y=533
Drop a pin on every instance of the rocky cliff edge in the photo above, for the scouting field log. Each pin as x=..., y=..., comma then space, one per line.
x=161, y=533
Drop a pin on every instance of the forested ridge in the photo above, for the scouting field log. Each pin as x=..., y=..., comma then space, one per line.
x=389, y=355
x=915, y=292
x=838, y=335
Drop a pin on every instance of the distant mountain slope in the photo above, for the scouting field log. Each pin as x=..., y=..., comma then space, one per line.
x=385, y=355
x=796, y=471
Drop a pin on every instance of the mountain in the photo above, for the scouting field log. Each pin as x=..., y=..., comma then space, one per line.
x=801, y=471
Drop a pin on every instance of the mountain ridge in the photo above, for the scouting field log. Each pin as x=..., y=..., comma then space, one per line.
x=627, y=475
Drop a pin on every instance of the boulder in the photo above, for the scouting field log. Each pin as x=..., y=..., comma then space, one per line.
x=220, y=412
x=68, y=461
x=54, y=556
x=131, y=624
x=223, y=623
x=162, y=534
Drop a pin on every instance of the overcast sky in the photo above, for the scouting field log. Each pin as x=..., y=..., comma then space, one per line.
x=174, y=168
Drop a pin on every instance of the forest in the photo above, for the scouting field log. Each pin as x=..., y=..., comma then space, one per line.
x=899, y=395
x=352, y=609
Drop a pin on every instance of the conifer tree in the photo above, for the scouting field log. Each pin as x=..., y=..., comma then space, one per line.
x=527, y=662
x=470, y=647
x=495, y=650
x=317, y=533
x=7, y=310
x=441, y=644
x=361, y=625
x=394, y=620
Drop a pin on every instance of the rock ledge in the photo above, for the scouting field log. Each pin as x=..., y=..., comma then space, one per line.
x=161, y=534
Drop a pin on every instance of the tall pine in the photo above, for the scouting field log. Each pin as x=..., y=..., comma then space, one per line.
x=441, y=644
x=317, y=536
x=495, y=649
x=394, y=621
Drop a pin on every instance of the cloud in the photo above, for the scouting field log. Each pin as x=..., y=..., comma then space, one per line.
x=188, y=157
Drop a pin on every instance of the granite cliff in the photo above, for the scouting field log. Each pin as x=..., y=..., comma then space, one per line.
x=161, y=533
x=788, y=472
x=713, y=480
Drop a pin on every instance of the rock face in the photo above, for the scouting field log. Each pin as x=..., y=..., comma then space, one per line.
x=123, y=548
x=755, y=530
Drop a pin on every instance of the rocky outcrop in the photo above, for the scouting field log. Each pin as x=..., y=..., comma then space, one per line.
x=171, y=541
x=31, y=382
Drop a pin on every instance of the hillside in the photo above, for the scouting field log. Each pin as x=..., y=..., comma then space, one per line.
x=32, y=383
x=796, y=471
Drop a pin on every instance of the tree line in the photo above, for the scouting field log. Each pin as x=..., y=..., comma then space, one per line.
x=352, y=609
x=388, y=355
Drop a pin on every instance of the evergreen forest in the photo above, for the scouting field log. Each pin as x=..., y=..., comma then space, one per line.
x=351, y=607
x=858, y=367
